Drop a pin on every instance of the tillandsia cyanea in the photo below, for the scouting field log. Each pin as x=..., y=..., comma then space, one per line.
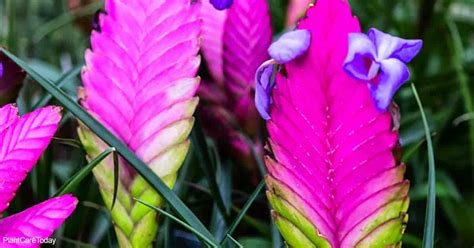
x=334, y=180
x=140, y=82
x=234, y=44
x=22, y=140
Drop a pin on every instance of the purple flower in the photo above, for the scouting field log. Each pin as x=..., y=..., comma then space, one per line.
x=221, y=4
x=380, y=59
x=263, y=88
x=1, y=70
x=291, y=45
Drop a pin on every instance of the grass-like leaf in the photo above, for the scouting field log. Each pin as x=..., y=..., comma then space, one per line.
x=116, y=177
x=429, y=230
x=77, y=178
x=102, y=132
x=244, y=210
x=65, y=19
x=203, y=156
x=457, y=50
x=190, y=228
x=65, y=78
x=68, y=142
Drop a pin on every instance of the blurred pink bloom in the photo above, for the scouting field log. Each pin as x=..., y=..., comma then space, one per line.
x=234, y=44
x=22, y=141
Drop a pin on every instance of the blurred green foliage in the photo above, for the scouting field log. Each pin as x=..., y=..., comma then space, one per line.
x=52, y=38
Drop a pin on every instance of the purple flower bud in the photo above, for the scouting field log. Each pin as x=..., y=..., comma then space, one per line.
x=222, y=4
x=380, y=60
x=290, y=46
x=263, y=88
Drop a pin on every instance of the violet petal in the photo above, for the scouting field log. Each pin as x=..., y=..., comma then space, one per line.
x=263, y=88
x=393, y=74
x=1, y=70
x=389, y=46
x=222, y=4
x=360, y=62
x=290, y=45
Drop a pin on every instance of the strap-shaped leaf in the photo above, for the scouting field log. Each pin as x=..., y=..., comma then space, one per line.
x=139, y=81
x=22, y=141
x=332, y=176
x=37, y=222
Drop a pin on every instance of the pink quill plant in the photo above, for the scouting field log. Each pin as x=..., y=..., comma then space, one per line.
x=234, y=44
x=22, y=141
x=334, y=180
x=140, y=82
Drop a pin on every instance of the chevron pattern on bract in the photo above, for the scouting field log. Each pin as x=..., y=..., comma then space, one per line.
x=140, y=82
x=333, y=179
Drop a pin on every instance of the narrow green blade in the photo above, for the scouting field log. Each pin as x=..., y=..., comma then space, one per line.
x=429, y=230
x=142, y=169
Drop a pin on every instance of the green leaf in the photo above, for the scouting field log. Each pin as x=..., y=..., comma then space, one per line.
x=429, y=230
x=77, y=178
x=68, y=142
x=244, y=210
x=121, y=148
x=254, y=242
x=179, y=222
x=116, y=177
x=202, y=153
x=65, y=78
x=65, y=19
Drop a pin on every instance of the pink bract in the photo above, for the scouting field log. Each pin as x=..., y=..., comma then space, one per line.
x=22, y=142
x=332, y=160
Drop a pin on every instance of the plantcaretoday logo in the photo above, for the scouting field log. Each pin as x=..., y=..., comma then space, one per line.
x=28, y=240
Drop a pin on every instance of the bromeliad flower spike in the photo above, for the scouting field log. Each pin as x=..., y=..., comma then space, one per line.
x=234, y=44
x=140, y=82
x=22, y=140
x=333, y=178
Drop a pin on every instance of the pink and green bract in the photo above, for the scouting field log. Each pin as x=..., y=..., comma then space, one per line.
x=333, y=179
x=140, y=82
x=22, y=140
x=234, y=44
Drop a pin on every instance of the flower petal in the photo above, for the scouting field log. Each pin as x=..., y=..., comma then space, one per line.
x=1, y=70
x=39, y=221
x=22, y=143
x=360, y=62
x=221, y=4
x=263, y=88
x=389, y=46
x=290, y=46
x=8, y=115
x=393, y=74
